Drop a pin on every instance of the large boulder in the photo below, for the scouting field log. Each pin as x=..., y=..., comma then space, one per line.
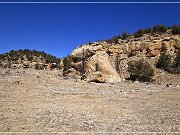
x=99, y=69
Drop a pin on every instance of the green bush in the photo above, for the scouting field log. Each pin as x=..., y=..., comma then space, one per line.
x=114, y=39
x=39, y=66
x=164, y=60
x=132, y=53
x=67, y=63
x=147, y=30
x=139, y=33
x=140, y=70
x=159, y=29
x=36, y=66
x=14, y=55
x=125, y=35
x=29, y=58
x=176, y=29
x=176, y=62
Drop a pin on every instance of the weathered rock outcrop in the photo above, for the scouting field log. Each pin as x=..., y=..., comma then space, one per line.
x=98, y=59
x=28, y=59
x=97, y=65
x=99, y=69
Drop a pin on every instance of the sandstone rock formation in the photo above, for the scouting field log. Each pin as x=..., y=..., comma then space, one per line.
x=99, y=69
x=98, y=58
x=97, y=64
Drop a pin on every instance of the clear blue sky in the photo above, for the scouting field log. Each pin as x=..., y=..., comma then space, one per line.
x=59, y=28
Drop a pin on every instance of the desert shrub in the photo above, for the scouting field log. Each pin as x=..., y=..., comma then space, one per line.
x=132, y=53
x=29, y=54
x=125, y=35
x=175, y=67
x=21, y=58
x=67, y=63
x=36, y=66
x=164, y=60
x=29, y=58
x=147, y=30
x=117, y=63
x=139, y=33
x=140, y=70
x=159, y=29
x=176, y=29
x=176, y=62
x=114, y=39
x=1, y=56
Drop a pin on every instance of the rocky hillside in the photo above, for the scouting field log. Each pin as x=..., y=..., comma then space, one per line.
x=154, y=55
x=107, y=61
x=28, y=59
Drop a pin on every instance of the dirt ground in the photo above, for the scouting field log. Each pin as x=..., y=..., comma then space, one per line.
x=34, y=101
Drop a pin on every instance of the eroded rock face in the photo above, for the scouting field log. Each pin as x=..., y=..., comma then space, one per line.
x=99, y=69
x=99, y=57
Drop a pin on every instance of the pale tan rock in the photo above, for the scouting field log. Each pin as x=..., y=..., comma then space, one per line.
x=78, y=52
x=177, y=42
x=154, y=49
x=72, y=73
x=99, y=69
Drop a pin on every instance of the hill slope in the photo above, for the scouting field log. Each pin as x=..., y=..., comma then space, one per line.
x=98, y=60
x=26, y=58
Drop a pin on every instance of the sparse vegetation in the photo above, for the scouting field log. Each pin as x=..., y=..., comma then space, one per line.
x=160, y=28
x=28, y=55
x=123, y=35
x=176, y=62
x=114, y=39
x=140, y=70
x=132, y=53
x=36, y=66
x=175, y=67
x=117, y=63
x=176, y=29
x=139, y=33
x=164, y=60
x=67, y=63
x=14, y=55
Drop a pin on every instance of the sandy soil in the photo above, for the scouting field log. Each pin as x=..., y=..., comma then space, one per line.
x=33, y=101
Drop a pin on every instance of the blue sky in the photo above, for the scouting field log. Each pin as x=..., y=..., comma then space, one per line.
x=59, y=28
